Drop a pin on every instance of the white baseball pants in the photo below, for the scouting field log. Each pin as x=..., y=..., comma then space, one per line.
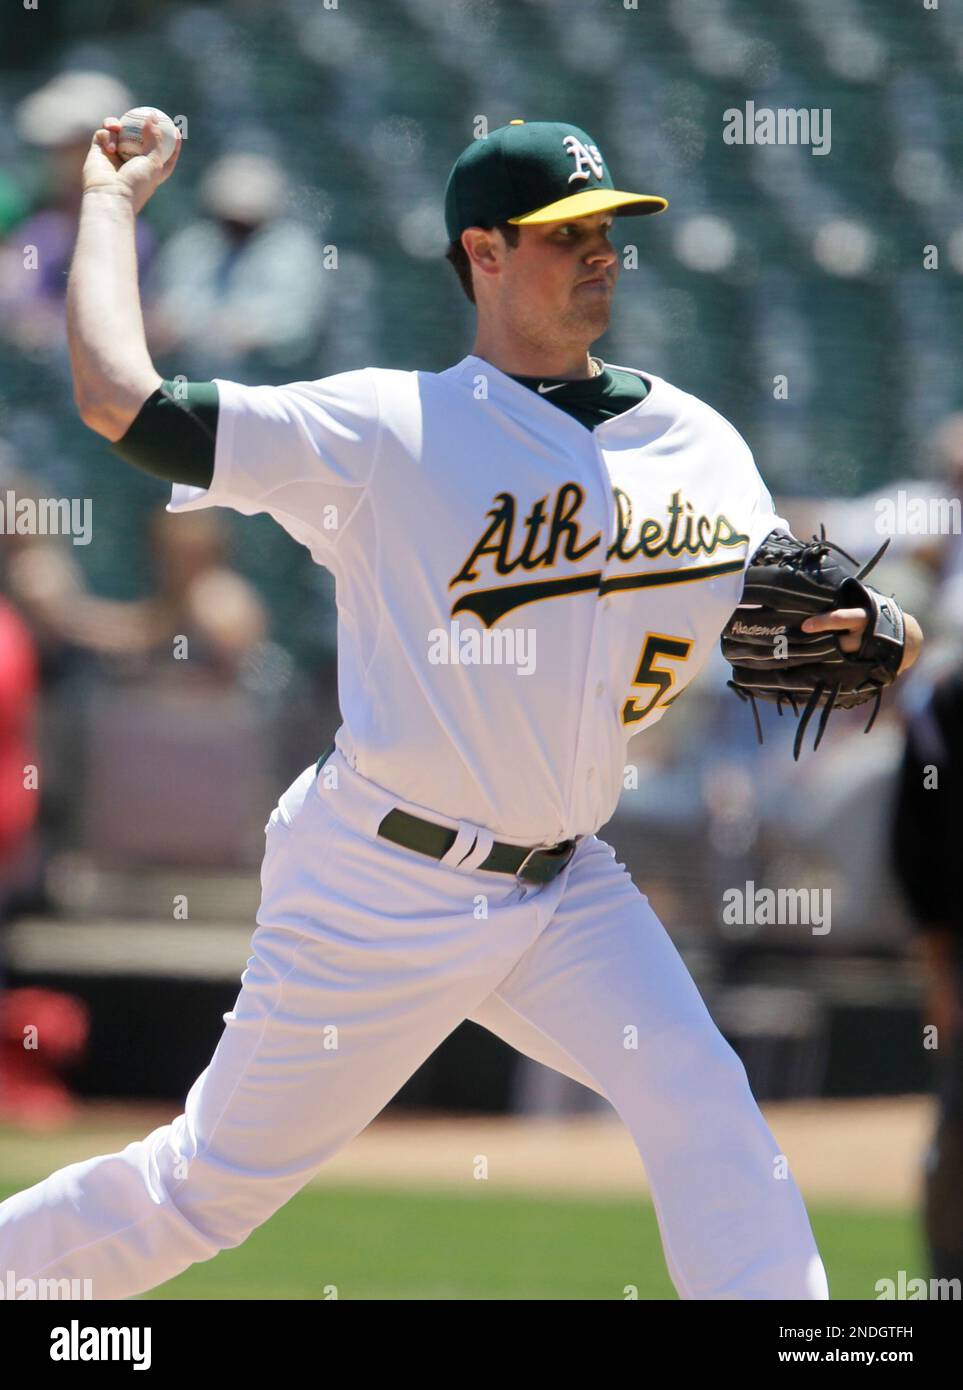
x=366, y=956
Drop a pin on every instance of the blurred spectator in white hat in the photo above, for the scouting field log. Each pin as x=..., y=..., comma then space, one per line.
x=59, y=120
x=244, y=282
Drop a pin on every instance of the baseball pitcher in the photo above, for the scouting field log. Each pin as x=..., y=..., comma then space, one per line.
x=535, y=552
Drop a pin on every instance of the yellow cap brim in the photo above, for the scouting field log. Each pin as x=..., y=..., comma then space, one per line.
x=594, y=200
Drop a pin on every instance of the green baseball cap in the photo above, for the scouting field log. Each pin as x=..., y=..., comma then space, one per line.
x=535, y=171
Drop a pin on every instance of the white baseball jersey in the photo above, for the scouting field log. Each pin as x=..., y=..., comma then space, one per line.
x=517, y=595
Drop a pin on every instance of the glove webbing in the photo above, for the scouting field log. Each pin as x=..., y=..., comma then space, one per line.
x=811, y=705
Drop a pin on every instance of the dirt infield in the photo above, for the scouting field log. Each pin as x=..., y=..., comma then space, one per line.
x=864, y=1153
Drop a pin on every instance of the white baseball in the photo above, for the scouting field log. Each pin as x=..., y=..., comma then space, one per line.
x=131, y=137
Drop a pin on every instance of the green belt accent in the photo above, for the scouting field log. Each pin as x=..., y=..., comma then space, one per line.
x=427, y=837
x=324, y=757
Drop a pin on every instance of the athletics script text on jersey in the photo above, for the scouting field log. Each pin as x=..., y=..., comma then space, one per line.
x=551, y=534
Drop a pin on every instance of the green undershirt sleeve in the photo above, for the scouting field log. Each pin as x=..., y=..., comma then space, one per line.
x=173, y=436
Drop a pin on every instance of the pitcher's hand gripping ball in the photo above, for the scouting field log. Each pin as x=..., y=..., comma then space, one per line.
x=772, y=659
x=130, y=140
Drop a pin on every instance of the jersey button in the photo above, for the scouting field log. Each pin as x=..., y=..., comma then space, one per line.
x=600, y=688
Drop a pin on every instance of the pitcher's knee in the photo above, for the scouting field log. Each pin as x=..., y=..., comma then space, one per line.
x=224, y=1216
x=689, y=1063
x=221, y=1202
x=726, y=1068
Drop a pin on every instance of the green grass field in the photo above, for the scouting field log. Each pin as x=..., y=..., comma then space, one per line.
x=402, y=1244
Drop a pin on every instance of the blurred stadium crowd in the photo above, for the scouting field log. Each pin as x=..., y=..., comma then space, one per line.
x=303, y=235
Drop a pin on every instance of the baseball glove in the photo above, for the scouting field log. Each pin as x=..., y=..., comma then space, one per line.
x=772, y=659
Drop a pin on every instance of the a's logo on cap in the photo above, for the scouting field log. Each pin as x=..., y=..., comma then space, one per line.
x=587, y=158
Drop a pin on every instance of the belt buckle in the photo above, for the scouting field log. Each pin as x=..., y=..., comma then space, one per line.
x=563, y=851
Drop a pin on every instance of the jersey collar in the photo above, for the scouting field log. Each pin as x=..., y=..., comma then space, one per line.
x=514, y=390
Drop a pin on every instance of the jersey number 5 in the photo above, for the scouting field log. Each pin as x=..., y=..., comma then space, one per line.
x=656, y=644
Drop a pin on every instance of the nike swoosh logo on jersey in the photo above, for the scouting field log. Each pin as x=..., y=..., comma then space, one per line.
x=543, y=390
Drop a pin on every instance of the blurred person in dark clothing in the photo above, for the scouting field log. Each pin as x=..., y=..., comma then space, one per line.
x=928, y=859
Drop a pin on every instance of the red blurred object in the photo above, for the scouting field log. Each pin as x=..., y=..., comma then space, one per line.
x=18, y=693
x=41, y=1033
